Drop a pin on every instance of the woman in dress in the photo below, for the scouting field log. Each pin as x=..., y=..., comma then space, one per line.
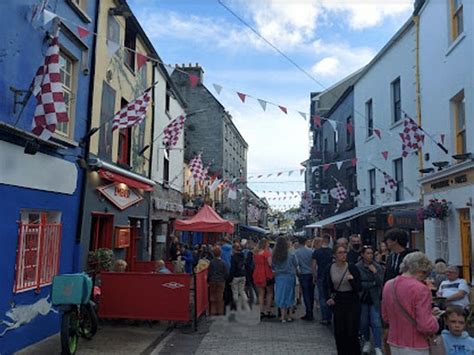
x=342, y=286
x=263, y=277
x=284, y=266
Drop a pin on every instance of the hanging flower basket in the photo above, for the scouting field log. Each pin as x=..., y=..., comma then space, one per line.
x=436, y=209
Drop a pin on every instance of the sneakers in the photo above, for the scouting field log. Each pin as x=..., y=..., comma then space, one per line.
x=378, y=351
x=367, y=347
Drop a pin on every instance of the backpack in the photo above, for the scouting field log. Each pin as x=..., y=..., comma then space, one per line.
x=249, y=263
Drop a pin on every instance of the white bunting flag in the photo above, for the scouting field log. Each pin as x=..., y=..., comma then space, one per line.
x=333, y=124
x=302, y=115
x=48, y=16
x=218, y=88
x=169, y=69
x=290, y=172
x=215, y=185
x=339, y=164
x=262, y=103
x=112, y=48
x=232, y=194
x=313, y=169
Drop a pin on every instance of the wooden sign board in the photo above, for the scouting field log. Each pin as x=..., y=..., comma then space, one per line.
x=120, y=195
x=122, y=237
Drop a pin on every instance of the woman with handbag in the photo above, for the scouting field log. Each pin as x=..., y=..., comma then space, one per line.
x=342, y=286
x=263, y=278
x=406, y=308
x=371, y=275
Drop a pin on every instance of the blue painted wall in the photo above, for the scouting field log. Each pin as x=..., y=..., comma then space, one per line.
x=22, y=49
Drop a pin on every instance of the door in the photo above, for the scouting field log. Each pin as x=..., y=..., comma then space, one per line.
x=138, y=245
x=466, y=251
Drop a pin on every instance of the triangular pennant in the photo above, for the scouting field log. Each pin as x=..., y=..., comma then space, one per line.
x=422, y=138
x=326, y=166
x=350, y=127
x=354, y=162
x=269, y=175
x=112, y=48
x=242, y=96
x=302, y=115
x=317, y=121
x=141, y=60
x=385, y=154
x=378, y=133
x=339, y=164
x=290, y=172
x=218, y=88
x=442, y=138
x=262, y=103
x=301, y=171
x=194, y=80
x=333, y=124
x=83, y=32
x=169, y=69
x=402, y=136
x=48, y=16
x=281, y=172
x=313, y=169
x=284, y=109
x=259, y=176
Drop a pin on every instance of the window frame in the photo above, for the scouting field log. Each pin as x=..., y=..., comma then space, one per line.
x=71, y=92
x=398, y=175
x=130, y=45
x=396, y=104
x=166, y=167
x=372, y=187
x=369, y=117
x=349, y=135
x=460, y=137
x=455, y=15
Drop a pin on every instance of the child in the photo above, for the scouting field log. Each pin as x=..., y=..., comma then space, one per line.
x=456, y=340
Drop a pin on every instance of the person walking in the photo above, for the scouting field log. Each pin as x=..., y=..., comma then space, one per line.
x=216, y=277
x=263, y=278
x=406, y=307
x=304, y=255
x=237, y=277
x=354, y=249
x=284, y=266
x=342, y=286
x=396, y=240
x=322, y=258
x=371, y=276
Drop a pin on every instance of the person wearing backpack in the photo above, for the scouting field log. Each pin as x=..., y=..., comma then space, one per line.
x=237, y=275
x=249, y=268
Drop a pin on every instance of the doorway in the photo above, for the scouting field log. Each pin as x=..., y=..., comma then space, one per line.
x=466, y=251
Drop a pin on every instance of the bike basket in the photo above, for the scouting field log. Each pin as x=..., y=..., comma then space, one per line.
x=71, y=289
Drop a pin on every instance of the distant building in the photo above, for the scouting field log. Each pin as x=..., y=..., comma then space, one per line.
x=210, y=130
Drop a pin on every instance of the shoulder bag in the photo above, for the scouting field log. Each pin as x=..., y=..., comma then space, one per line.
x=333, y=294
x=436, y=343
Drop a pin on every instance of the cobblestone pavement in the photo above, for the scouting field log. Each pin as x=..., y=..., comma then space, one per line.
x=244, y=334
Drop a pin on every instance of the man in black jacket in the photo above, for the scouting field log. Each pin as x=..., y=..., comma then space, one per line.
x=396, y=240
x=237, y=275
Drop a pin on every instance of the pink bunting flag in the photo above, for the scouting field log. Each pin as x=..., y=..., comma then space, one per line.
x=83, y=32
x=422, y=138
x=141, y=61
x=385, y=154
x=442, y=136
x=242, y=96
x=402, y=136
x=350, y=127
x=284, y=109
x=354, y=162
x=326, y=166
x=378, y=133
x=317, y=121
x=194, y=80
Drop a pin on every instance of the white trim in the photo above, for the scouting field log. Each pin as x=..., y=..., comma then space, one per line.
x=455, y=168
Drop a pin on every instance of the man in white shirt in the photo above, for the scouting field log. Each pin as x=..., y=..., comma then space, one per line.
x=454, y=289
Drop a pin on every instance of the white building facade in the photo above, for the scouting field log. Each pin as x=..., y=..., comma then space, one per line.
x=447, y=112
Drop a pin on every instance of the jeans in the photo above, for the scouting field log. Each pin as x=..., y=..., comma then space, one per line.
x=238, y=292
x=326, y=313
x=307, y=288
x=370, y=316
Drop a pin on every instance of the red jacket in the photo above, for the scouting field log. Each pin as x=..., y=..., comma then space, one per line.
x=415, y=297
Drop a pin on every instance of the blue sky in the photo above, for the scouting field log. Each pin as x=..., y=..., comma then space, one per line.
x=328, y=38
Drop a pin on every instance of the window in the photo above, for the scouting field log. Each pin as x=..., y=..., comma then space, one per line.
x=457, y=20
x=107, y=111
x=325, y=148
x=372, y=186
x=124, y=143
x=396, y=100
x=130, y=44
x=335, y=139
x=67, y=69
x=113, y=30
x=38, y=249
x=101, y=231
x=459, y=115
x=398, y=172
x=166, y=167
x=348, y=132
x=369, y=118
x=167, y=98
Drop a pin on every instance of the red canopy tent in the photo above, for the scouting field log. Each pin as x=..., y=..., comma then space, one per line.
x=206, y=220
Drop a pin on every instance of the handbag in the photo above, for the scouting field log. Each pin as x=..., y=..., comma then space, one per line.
x=333, y=294
x=436, y=343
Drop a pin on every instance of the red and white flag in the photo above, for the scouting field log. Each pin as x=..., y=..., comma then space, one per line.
x=197, y=170
x=133, y=113
x=48, y=90
x=411, y=136
x=172, y=131
x=389, y=181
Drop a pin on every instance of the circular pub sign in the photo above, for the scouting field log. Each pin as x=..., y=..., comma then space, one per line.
x=390, y=220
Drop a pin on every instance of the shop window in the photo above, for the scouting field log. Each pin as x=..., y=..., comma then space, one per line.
x=457, y=18
x=130, y=44
x=398, y=170
x=101, y=231
x=396, y=101
x=369, y=115
x=459, y=117
x=38, y=249
x=372, y=186
x=68, y=80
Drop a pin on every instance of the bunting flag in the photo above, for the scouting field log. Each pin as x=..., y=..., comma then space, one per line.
x=217, y=88
x=313, y=169
x=172, y=131
x=262, y=103
x=290, y=172
x=339, y=164
x=350, y=127
x=411, y=137
x=284, y=109
x=232, y=193
x=48, y=90
x=242, y=96
x=281, y=172
x=269, y=175
x=333, y=124
x=302, y=115
x=378, y=133
x=389, y=181
x=133, y=113
x=169, y=69
x=326, y=166
x=193, y=80
x=317, y=121
x=112, y=48
x=48, y=16
x=141, y=60
x=385, y=154
x=354, y=162
x=83, y=32
x=301, y=171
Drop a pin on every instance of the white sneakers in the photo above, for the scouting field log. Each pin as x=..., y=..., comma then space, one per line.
x=378, y=351
x=367, y=347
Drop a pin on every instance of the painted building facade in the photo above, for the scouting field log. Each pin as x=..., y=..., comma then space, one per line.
x=40, y=181
x=447, y=113
x=118, y=189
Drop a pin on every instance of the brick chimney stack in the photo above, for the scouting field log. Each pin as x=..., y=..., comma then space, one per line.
x=192, y=69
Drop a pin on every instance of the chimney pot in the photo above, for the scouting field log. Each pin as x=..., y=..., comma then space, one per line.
x=197, y=65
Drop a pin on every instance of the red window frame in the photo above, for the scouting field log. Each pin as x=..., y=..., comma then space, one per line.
x=124, y=146
x=102, y=230
x=38, y=254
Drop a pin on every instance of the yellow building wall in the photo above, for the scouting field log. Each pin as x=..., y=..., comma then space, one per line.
x=126, y=84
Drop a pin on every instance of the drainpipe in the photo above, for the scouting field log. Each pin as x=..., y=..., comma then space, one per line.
x=150, y=165
x=416, y=20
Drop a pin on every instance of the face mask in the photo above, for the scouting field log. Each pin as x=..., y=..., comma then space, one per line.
x=356, y=246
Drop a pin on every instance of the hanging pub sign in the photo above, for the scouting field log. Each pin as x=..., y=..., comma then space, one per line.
x=122, y=236
x=120, y=195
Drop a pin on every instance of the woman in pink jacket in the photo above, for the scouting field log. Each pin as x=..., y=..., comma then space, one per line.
x=406, y=307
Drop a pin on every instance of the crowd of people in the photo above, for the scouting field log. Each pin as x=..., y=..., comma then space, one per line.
x=390, y=299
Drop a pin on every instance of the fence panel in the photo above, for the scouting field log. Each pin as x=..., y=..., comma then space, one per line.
x=202, y=293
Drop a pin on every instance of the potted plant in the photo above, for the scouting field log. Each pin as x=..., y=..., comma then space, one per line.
x=436, y=209
x=100, y=260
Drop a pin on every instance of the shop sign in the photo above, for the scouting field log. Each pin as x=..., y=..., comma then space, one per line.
x=120, y=195
x=403, y=219
x=161, y=204
x=122, y=237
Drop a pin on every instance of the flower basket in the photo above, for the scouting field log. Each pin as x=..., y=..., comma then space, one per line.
x=436, y=209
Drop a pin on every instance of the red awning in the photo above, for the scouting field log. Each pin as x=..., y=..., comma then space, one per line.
x=115, y=177
x=206, y=220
